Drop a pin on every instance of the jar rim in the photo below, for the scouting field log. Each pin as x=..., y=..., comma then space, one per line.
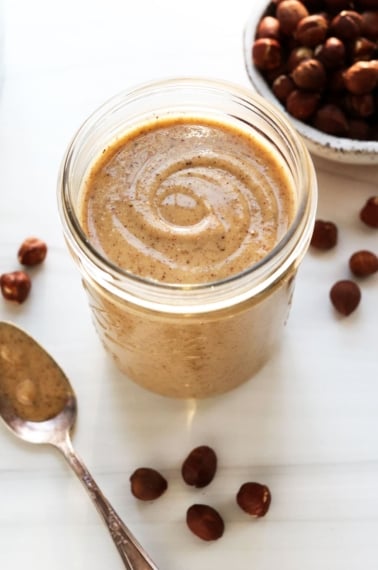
x=223, y=292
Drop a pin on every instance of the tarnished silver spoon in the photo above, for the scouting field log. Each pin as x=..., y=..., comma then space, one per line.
x=38, y=404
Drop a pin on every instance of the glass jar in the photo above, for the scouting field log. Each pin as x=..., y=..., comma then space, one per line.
x=189, y=341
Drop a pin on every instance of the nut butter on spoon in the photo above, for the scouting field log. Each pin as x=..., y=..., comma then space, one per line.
x=38, y=404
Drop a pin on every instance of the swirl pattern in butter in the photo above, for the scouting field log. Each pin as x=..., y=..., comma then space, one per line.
x=187, y=200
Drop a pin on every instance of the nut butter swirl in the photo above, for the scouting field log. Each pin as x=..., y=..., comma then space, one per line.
x=186, y=200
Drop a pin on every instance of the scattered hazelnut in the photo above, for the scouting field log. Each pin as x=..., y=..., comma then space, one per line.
x=200, y=466
x=289, y=13
x=369, y=213
x=254, y=499
x=331, y=119
x=266, y=53
x=268, y=27
x=312, y=30
x=205, y=522
x=15, y=286
x=325, y=235
x=32, y=251
x=347, y=25
x=345, y=296
x=302, y=104
x=361, y=77
x=363, y=263
x=309, y=74
x=147, y=484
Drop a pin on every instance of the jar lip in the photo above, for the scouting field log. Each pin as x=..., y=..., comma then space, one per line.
x=113, y=277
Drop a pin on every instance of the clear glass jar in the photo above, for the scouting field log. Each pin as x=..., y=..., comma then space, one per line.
x=205, y=339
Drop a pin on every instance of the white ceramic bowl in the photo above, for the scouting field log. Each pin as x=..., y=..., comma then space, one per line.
x=319, y=143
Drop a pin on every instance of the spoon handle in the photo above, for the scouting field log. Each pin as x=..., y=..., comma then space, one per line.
x=133, y=555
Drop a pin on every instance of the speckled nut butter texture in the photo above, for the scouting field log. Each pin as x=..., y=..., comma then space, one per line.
x=186, y=200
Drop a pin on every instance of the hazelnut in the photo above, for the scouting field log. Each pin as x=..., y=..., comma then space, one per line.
x=338, y=5
x=147, y=484
x=363, y=49
x=282, y=86
x=363, y=263
x=266, y=53
x=200, y=466
x=336, y=82
x=345, y=296
x=289, y=13
x=254, y=499
x=312, y=30
x=324, y=235
x=361, y=77
x=369, y=24
x=302, y=104
x=360, y=105
x=268, y=27
x=331, y=119
x=297, y=55
x=205, y=522
x=347, y=25
x=331, y=53
x=15, y=286
x=369, y=213
x=358, y=129
x=32, y=251
x=309, y=74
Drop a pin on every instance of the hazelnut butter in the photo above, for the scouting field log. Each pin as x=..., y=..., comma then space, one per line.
x=186, y=224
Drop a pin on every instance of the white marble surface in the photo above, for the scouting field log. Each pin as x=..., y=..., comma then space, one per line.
x=307, y=425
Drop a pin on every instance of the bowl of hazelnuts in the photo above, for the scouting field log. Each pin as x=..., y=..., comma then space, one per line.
x=317, y=60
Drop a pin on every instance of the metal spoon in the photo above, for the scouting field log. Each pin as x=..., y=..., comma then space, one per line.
x=38, y=404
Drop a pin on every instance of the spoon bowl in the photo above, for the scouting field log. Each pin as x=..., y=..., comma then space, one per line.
x=38, y=405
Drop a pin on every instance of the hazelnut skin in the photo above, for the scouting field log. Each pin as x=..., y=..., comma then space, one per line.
x=15, y=286
x=331, y=53
x=302, y=104
x=369, y=213
x=331, y=119
x=345, y=296
x=266, y=53
x=363, y=49
x=369, y=24
x=347, y=25
x=289, y=13
x=282, y=86
x=268, y=27
x=363, y=263
x=361, y=77
x=312, y=30
x=309, y=74
x=297, y=55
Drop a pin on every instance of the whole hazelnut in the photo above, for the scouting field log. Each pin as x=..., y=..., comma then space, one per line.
x=302, y=104
x=147, y=484
x=347, y=25
x=282, y=86
x=268, y=27
x=369, y=212
x=331, y=53
x=363, y=263
x=297, y=55
x=200, y=466
x=15, y=286
x=312, y=30
x=330, y=119
x=254, y=499
x=205, y=522
x=289, y=13
x=358, y=129
x=363, y=49
x=266, y=53
x=336, y=82
x=32, y=251
x=369, y=24
x=361, y=77
x=345, y=296
x=324, y=235
x=309, y=74
x=360, y=105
